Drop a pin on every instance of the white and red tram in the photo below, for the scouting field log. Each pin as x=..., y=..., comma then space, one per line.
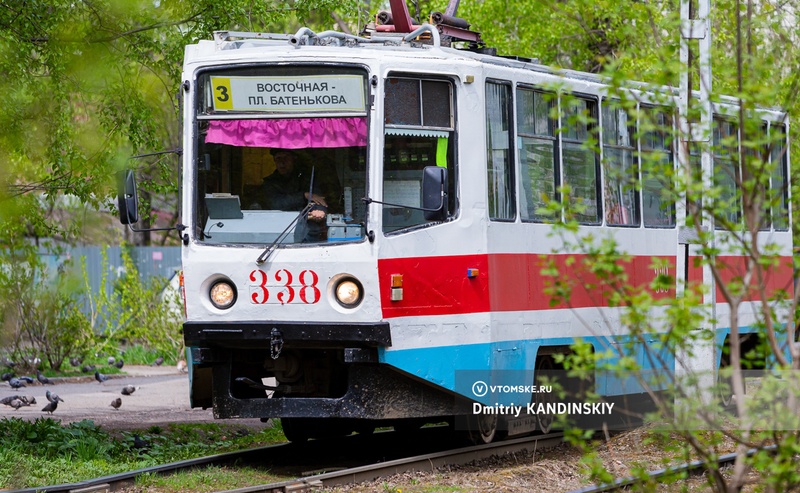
x=406, y=243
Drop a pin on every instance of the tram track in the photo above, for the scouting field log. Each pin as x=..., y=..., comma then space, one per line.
x=690, y=468
x=426, y=462
x=389, y=454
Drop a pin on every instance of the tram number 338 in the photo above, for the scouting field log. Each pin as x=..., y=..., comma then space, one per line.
x=284, y=287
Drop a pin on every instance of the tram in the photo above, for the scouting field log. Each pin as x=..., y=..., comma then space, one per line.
x=364, y=234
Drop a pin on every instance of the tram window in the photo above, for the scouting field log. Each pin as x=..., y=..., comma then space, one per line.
x=656, y=158
x=536, y=145
x=726, y=173
x=779, y=194
x=436, y=103
x=581, y=159
x=419, y=132
x=264, y=151
x=499, y=158
x=619, y=166
x=757, y=160
x=403, y=102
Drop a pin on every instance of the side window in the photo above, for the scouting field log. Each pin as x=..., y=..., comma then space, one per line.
x=726, y=171
x=581, y=161
x=758, y=159
x=619, y=167
x=779, y=193
x=499, y=155
x=536, y=145
x=419, y=131
x=656, y=158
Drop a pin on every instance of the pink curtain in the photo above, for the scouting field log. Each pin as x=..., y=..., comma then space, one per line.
x=296, y=133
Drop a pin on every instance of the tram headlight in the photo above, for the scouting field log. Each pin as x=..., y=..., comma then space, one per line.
x=348, y=292
x=222, y=294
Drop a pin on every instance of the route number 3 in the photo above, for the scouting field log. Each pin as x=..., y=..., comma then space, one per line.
x=283, y=289
x=223, y=96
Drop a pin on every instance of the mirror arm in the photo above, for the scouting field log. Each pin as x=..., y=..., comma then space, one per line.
x=178, y=227
x=368, y=201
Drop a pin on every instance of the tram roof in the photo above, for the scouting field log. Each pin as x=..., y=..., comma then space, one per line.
x=235, y=45
x=226, y=43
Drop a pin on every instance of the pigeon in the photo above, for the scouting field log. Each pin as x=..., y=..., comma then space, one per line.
x=6, y=401
x=100, y=377
x=75, y=361
x=26, y=379
x=87, y=368
x=7, y=376
x=128, y=389
x=182, y=366
x=119, y=363
x=116, y=403
x=53, y=397
x=138, y=443
x=158, y=361
x=8, y=363
x=42, y=379
x=17, y=401
x=16, y=383
x=50, y=407
x=111, y=360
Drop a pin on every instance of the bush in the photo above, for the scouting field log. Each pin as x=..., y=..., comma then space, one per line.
x=43, y=317
x=133, y=312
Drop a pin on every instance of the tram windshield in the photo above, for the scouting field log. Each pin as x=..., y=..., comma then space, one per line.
x=281, y=150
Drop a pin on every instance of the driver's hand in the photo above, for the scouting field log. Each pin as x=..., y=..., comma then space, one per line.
x=317, y=216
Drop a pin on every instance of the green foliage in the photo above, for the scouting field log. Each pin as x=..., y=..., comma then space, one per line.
x=70, y=124
x=43, y=319
x=139, y=354
x=668, y=317
x=43, y=452
x=133, y=313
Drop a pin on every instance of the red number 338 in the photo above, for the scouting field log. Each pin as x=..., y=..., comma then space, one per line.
x=284, y=288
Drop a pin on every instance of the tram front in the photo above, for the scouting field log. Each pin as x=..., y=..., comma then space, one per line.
x=279, y=263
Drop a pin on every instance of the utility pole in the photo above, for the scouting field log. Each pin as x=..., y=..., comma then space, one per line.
x=699, y=362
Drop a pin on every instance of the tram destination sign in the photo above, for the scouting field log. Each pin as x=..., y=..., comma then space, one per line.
x=283, y=94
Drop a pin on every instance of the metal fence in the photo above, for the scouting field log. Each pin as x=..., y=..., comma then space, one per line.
x=161, y=262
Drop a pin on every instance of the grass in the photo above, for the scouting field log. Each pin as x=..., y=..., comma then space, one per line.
x=207, y=479
x=43, y=452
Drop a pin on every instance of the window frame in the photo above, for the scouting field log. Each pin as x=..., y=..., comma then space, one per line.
x=669, y=148
x=510, y=170
x=452, y=152
x=592, y=131
x=782, y=167
x=552, y=136
x=632, y=147
x=718, y=158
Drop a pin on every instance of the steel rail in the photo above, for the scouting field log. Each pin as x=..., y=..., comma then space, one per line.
x=688, y=467
x=427, y=462
x=116, y=481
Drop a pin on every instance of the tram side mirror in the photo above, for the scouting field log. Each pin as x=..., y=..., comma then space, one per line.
x=434, y=193
x=127, y=198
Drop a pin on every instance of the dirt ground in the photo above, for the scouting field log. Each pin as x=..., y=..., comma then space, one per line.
x=162, y=397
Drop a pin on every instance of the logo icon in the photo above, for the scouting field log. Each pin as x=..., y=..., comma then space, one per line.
x=479, y=388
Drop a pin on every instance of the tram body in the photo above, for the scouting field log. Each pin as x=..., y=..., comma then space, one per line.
x=373, y=319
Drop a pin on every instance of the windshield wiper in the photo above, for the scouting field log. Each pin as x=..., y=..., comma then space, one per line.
x=272, y=246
